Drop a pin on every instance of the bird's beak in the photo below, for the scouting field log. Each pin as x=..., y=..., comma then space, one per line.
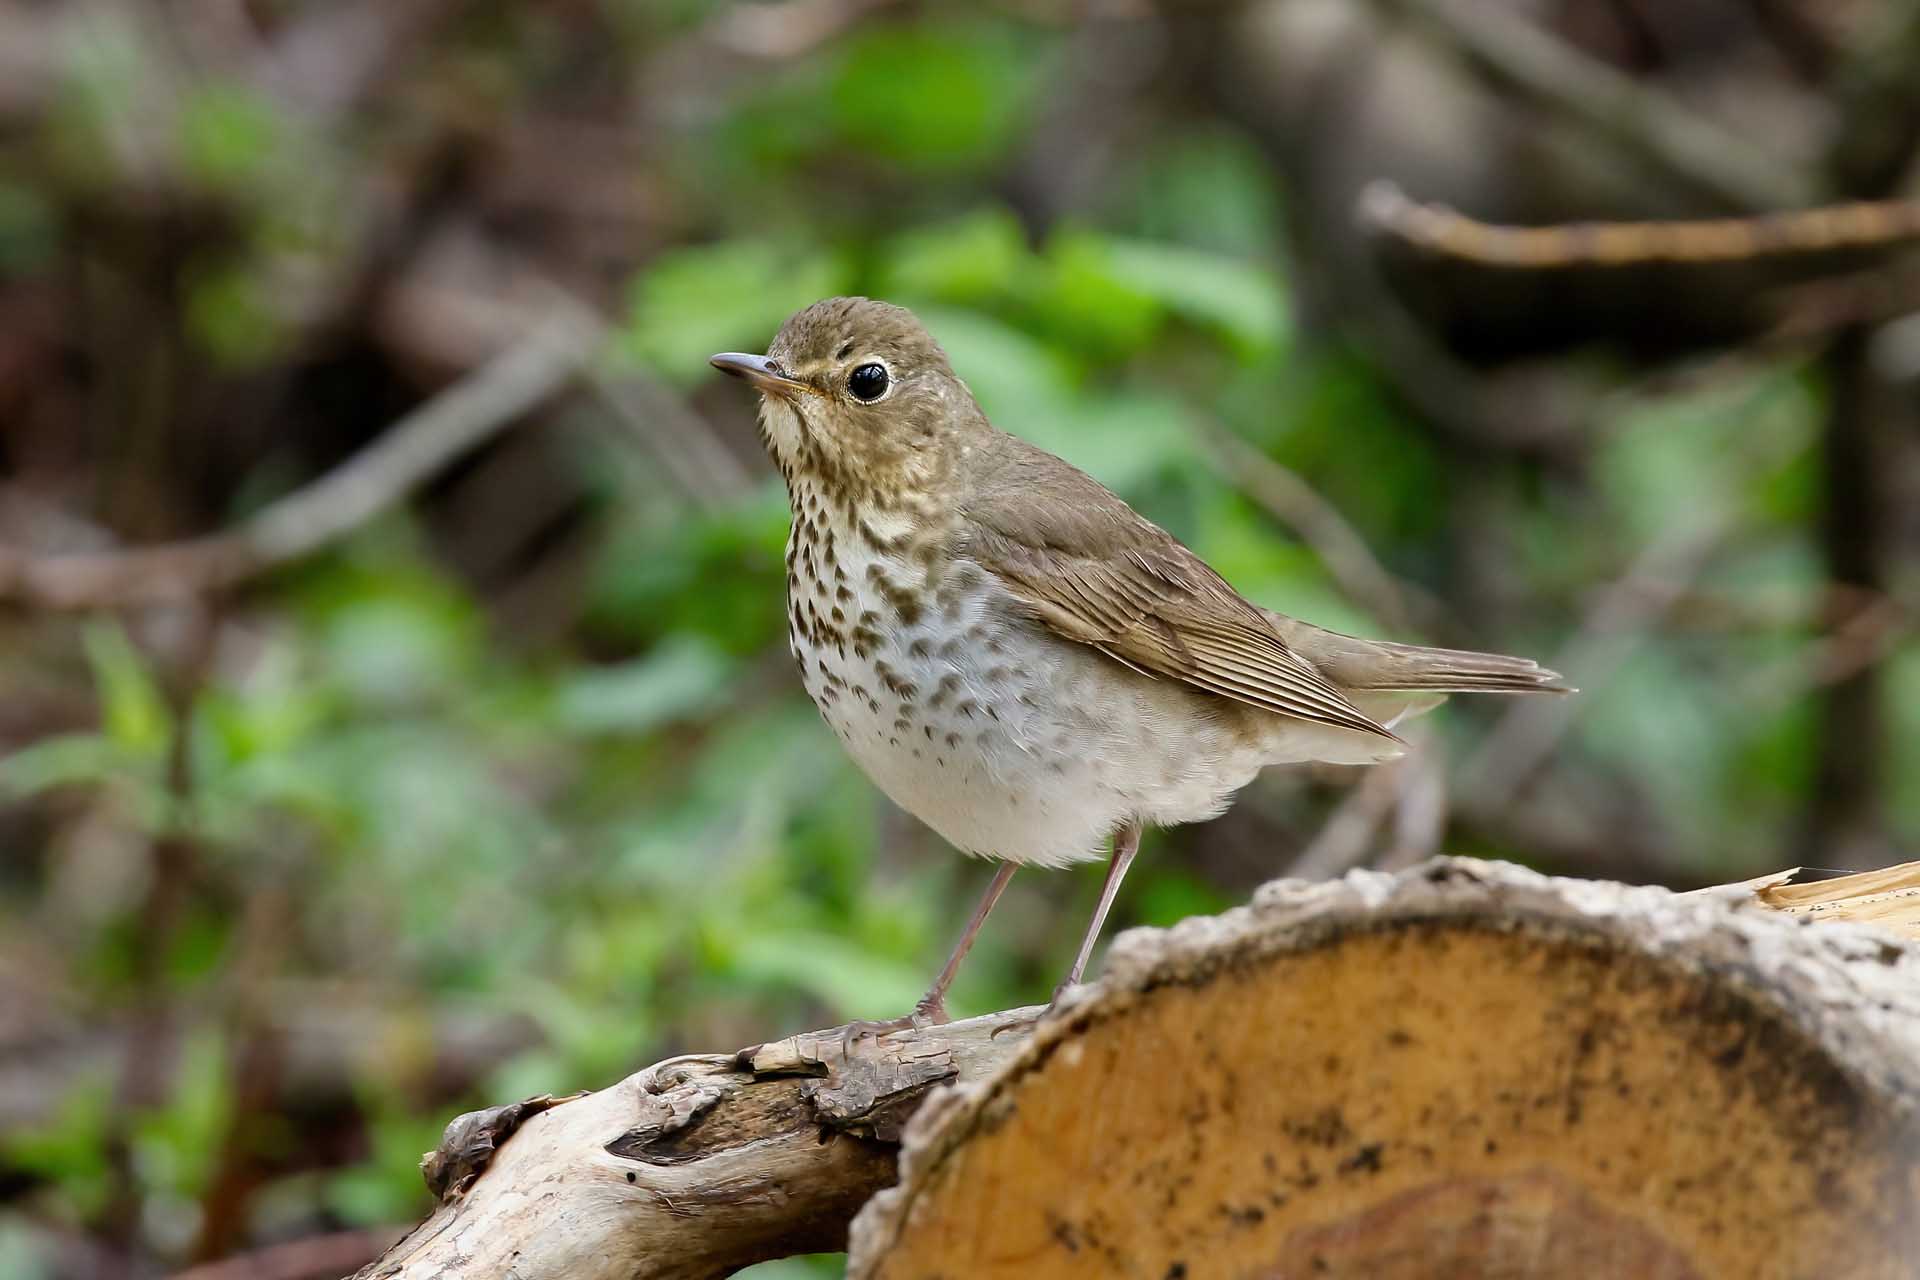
x=760, y=371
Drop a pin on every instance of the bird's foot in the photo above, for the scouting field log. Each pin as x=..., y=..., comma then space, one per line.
x=1060, y=992
x=927, y=1013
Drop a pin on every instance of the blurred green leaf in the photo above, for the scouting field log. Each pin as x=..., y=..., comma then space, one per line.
x=134, y=714
x=176, y=1146
x=978, y=258
x=1241, y=300
x=64, y=761
x=842, y=976
x=934, y=95
x=680, y=679
x=28, y=232
x=693, y=302
x=229, y=317
x=69, y=1147
x=227, y=132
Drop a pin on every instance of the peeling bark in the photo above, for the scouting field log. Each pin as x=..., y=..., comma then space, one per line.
x=694, y=1167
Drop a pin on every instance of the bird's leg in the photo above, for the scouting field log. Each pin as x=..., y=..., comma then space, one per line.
x=1126, y=843
x=932, y=1008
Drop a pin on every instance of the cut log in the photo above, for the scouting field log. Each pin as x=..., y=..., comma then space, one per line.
x=1462, y=1070
x=1465, y=1070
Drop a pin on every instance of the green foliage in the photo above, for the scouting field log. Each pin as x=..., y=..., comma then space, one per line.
x=68, y=1148
x=227, y=133
x=694, y=302
x=27, y=229
x=932, y=96
x=583, y=847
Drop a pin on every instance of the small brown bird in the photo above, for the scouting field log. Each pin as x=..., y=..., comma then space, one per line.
x=1014, y=655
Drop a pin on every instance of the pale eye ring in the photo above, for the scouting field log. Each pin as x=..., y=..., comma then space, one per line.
x=868, y=382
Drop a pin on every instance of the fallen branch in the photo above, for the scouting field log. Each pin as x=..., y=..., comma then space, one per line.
x=1319, y=524
x=413, y=450
x=693, y=1167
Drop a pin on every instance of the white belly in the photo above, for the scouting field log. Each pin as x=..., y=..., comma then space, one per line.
x=1010, y=743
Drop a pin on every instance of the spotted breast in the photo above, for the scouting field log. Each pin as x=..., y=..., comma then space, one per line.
x=957, y=704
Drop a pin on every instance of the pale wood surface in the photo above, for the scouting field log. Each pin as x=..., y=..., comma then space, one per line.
x=1464, y=1070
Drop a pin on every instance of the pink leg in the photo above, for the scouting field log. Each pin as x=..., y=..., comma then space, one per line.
x=932, y=1008
x=1126, y=843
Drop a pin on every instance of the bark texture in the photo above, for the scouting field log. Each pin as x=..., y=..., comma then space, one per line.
x=1465, y=1069
x=694, y=1167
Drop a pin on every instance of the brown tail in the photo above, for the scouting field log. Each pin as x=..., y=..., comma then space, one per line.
x=1381, y=665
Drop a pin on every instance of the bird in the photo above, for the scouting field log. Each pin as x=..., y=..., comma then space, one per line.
x=1012, y=653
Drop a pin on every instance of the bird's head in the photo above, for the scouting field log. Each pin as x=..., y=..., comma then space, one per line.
x=856, y=395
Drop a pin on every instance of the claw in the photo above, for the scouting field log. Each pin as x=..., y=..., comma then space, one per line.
x=927, y=1013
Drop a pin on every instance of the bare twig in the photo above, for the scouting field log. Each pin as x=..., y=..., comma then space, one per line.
x=1319, y=524
x=785, y=30
x=1347, y=837
x=678, y=438
x=1688, y=149
x=1615, y=626
x=321, y=1257
x=414, y=449
x=1420, y=810
x=1432, y=228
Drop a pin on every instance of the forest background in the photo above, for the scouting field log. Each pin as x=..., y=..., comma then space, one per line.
x=479, y=768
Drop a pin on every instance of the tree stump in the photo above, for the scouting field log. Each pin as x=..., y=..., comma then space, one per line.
x=1464, y=1070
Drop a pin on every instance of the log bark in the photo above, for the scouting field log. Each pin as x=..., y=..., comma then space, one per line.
x=692, y=1168
x=1465, y=1069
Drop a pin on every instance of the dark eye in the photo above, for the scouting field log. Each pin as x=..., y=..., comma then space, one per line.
x=868, y=382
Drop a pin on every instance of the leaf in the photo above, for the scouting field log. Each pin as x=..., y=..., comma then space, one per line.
x=66, y=760
x=135, y=716
x=734, y=295
x=937, y=95
x=1240, y=299
x=834, y=971
x=227, y=132
x=977, y=258
x=680, y=679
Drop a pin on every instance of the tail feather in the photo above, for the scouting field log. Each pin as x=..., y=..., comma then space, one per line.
x=1383, y=666
x=1407, y=666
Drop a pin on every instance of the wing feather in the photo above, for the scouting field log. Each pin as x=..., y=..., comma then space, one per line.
x=1096, y=573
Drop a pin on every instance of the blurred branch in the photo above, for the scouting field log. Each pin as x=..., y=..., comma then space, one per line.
x=313, y=1258
x=1411, y=790
x=1420, y=810
x=1346, y=838
x=1822, y=307
x=679, y=439
x=413, y=450
x=1878, y=126
x=1432, y=228
x=1614, y=627
x=1292, y=501
x=779, y=31
x=1690, y=150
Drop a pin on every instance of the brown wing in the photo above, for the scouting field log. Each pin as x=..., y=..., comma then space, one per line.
x=1095, y=572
